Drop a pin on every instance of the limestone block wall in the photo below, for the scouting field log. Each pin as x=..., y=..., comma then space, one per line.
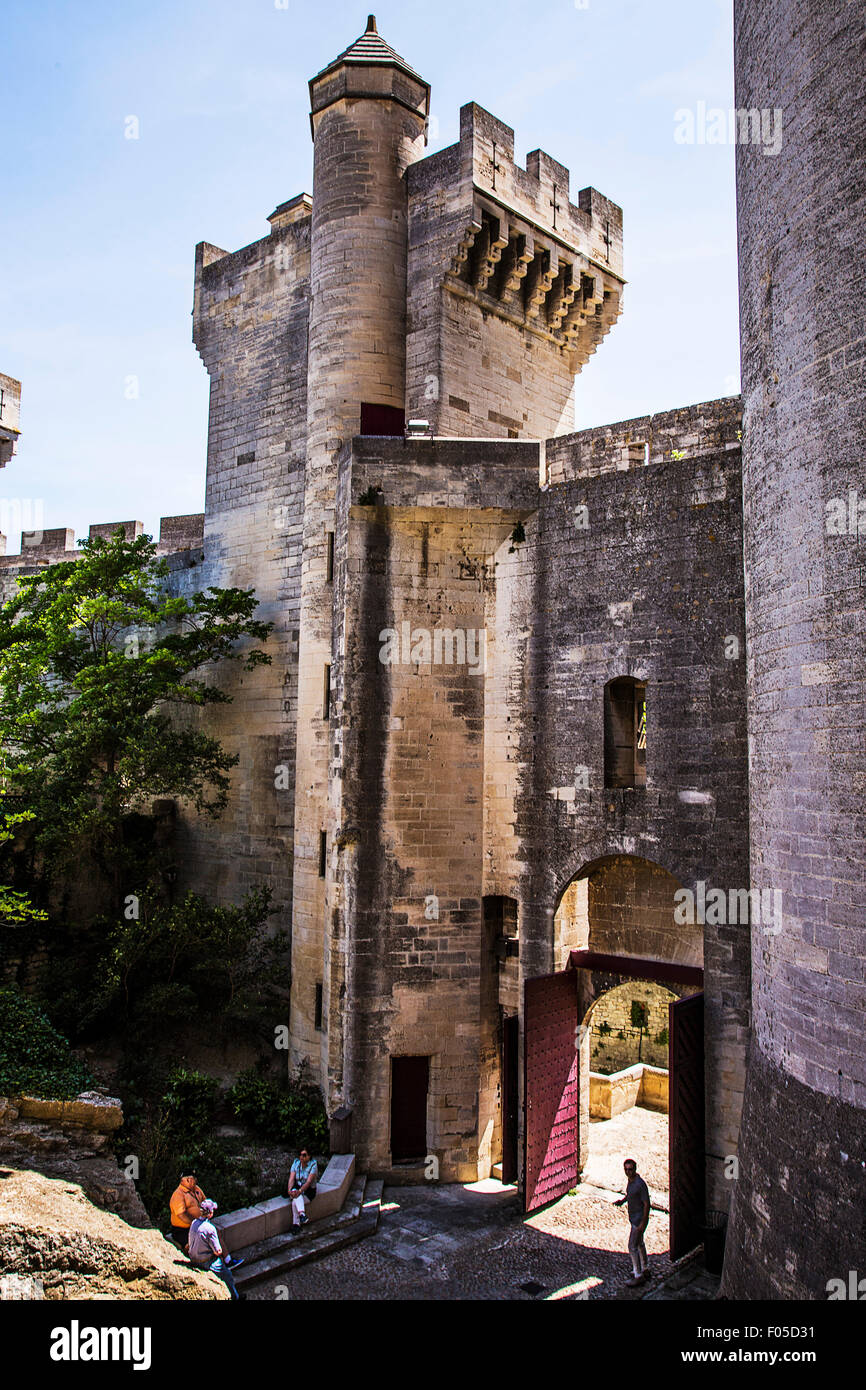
x=612, y=1016
x=693, y=432
x=10, y=417
x=638, y=573
x=422, y=974
x=250, y=328
x=507, y=294
x=363, y=141
x=630, y=909
x=804, y=391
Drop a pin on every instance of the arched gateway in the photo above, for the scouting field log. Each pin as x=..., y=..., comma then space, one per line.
x=614, y=923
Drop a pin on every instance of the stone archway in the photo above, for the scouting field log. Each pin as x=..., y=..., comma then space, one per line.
x=614, y=922
x=623, y=905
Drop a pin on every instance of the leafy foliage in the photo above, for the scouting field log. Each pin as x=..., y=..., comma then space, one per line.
x=95, y=658
x=292, y=1114
x=34, y=1058
x=194, y=963
x=15, y=907
x=172, y=1133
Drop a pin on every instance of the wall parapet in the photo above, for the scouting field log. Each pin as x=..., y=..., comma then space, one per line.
x=49, y=547
x=689, y=432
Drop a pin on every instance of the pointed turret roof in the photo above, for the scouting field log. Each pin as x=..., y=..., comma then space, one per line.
x=370, y=50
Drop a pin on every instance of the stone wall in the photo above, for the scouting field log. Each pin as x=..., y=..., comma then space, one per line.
x=10, y=417
x=507, y=296
x=610, y=1095
x=615, y=1042
x=804, y=485
x=651, y=589
x=250, y=327
x=413, y=744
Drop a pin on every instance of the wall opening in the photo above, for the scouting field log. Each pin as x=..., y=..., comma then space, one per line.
x=410, y=1080
x=382, y=419
x=625, y=732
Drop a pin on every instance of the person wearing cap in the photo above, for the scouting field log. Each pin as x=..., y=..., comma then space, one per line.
x=302, y=1186
x=185, y=1206
x=205, y=1250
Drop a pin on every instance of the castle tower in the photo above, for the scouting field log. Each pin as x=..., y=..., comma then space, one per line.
x=801, y=288
x=369, y=118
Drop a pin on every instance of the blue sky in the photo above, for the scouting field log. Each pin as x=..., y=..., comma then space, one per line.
x=98, y=231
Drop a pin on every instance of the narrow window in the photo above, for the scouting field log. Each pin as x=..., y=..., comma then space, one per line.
x=330, y=561
x=318, y=1018
x=625, y=733
x=326, y=702
x=323, y=852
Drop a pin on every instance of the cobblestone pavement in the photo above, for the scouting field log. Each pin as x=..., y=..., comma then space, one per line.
x=636, y=1133
x=470, y=1242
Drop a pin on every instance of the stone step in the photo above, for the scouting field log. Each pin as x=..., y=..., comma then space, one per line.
x=350, y=1211
x=359, y=1218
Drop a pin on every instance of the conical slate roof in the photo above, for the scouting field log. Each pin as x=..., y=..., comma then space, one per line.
x=370, y=49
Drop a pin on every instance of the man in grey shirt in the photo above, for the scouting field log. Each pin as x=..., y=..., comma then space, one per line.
x=638, y=1198
x=205, y=1249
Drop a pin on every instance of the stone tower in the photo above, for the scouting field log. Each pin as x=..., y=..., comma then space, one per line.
x=802, y=1146
x=369, y=121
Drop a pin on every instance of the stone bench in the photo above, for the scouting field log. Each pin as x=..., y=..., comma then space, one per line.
x=249, y=1225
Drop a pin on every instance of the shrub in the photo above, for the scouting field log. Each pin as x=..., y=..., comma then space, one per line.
x=34, y=1058
x=189, y=1103
x=290, y=1113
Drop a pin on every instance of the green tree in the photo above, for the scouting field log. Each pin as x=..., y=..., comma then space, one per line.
x=34, y=1058
x=213, y=966
x=97, y=660
x=15, y=907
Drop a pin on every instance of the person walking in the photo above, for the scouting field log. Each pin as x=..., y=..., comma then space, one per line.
x=302, y=1186
x=185, y=1204
x=205, y=1250
x=638, y=1199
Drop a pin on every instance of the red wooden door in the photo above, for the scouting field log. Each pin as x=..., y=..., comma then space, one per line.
x=551, y=1149
x=686, y=1144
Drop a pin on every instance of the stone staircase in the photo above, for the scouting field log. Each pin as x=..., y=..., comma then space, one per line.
x=358, y=1218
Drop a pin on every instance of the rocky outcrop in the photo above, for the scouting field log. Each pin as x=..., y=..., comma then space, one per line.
x=71, y=1139
x=55, y=1244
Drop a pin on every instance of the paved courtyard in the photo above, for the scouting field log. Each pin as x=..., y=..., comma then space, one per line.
x=470, y=1242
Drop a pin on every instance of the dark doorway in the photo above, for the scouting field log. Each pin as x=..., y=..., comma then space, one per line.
x=382, y=419
x=410, y=1078
x=686, y=1123
x=510, y=1035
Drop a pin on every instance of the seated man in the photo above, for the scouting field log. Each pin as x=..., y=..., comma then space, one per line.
x=185, y=1206
x=302, y=1186
x=205, y=1250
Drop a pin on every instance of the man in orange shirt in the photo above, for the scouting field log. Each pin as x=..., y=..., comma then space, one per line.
x=185, y=1206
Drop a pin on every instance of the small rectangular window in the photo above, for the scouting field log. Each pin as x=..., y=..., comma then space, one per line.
x=323, y=852
x=319, y=1001
x=246, y=458
x=326, y=701
x=330, y=560
x=625, y=733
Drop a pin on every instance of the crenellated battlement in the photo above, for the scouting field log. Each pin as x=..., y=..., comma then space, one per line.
x=50, y=546
x=512, y=286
